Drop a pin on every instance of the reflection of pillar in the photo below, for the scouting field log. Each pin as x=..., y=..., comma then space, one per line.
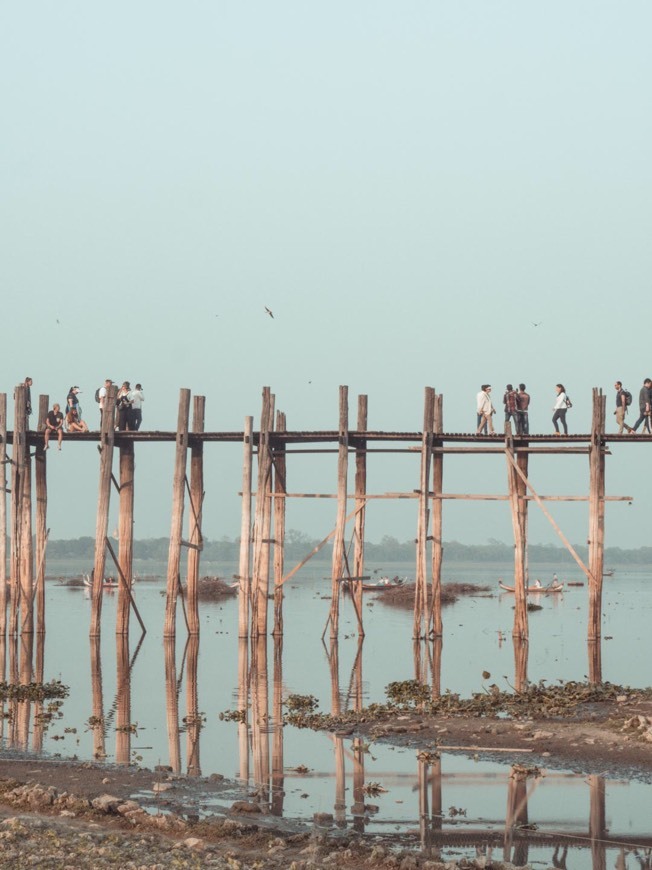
x=3, y=666
x=172, y=703
x=437, y=646
x=243, y=706
x=13, y=678
x=37, y=738
x=598, y=822
x=357, y=810
x=595, y=660
x=260, y=715
x=277, y=739
x=25, y=706
x=193, y=718
x=424, y=815
x=338, y=743
x=520, y=663
x=517, y=815
x=123, y=700
x=437, y=812
x=97, y=721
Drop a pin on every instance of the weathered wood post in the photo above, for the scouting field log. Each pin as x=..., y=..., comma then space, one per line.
x=20, y=422
x=172, y=703
x=260, y=576
x=125, y=533
x=40, y=469
x=361, y=509
x=598, y=821
x=107, y=439
x=26, y=677
x=243, y=706
x=280, y=489
x=3, y=516
x=195, y=517
x=260, y=715
x=421, y=587
x=596, y=514
x=520, y=629
x=178, y=490
x=436, y=626
x=338, y=541
x=24, y=513
x=278, y=777
x=244, y=569
x=98, y=724
x=39, y=720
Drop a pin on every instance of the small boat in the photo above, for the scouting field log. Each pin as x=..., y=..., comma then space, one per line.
x=540, y=590
x=609, y=573
x=107, y=584
x=384, y=584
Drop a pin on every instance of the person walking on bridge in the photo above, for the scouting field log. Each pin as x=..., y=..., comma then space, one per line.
x=621, y=407
x=485, y=411
x=644, y=406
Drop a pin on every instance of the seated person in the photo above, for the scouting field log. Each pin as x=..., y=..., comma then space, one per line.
x=73, y=423
x=54, y=425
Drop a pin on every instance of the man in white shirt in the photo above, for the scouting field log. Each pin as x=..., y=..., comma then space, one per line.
x=102, y=396
x=136, y=398
x=485, y=411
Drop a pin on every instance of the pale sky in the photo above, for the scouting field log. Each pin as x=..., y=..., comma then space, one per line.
x=408, y=186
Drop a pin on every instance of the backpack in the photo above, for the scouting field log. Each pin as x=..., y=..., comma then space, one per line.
x=97, y=394
x=569, y=404
x=628, y=397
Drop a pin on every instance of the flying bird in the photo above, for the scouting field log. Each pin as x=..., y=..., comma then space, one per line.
x=536, y=324
x=268, y=310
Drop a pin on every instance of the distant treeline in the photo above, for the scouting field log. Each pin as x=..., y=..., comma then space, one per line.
x=390, y=549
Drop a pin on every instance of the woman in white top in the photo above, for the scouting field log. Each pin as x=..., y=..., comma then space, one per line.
x=560, y=407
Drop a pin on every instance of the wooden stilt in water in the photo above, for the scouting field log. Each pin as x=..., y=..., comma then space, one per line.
x=360, y=505
x=421, y=604
x=280, y=486
x=14, y=569
x=195, y=515
x=520, y=664
x=520, y=629
x=98, y=724
x=176, y=530
x=265, y=553
x=436, y=626
x=260, y=715
x=3, y=517
x=107, y=437
x=278, y=778
x=338, y=542
x=25, y=551
x=596, y=515
x=125, y=534
x=40, y=473
x=260, y=575
x=39, y=670
x=243, y=706
x=193, y=719
x=26, y=677
x=244, y=570
x=598, y=822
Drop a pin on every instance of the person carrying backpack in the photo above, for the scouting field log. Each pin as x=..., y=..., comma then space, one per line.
x=623, y=401
x=644, y=405
x=560, y=407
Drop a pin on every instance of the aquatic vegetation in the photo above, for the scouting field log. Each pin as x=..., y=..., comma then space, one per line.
x=33, y=691
x=233, y=716
x=302, y=703
x=372, y=789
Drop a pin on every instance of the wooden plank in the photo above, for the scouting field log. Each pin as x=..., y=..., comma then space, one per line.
x=244, y=570
x=178, y=491
x=196, y=499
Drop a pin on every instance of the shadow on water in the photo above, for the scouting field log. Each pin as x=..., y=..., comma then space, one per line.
x=441, y=805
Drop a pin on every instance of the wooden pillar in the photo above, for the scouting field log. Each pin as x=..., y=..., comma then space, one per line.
x=244, y=570
x=421, y=608
x=193, y=716
x=107, y=438
x=338, y=541
x=243, y=706
x=20, y=415
x=437, y=509
x=520, y=629
x=125, y=534
x=98, y=724
x=596, y=514
x=260, y=715
x=361, y=507
x=123, y=699
x=23, y=462
x=3, y=516
x=195, y=516
x=40, y=469
x=176, y=530
x=26, y=677
x=172, y=703
x=260, y=581
x=280, y=486
x=520, y=664
x=38, y=731
x=598, y=822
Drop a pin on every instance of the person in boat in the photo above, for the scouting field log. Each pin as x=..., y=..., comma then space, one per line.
x=537, y=584
x=73, y=423
x=54, y=425
x=555, y=580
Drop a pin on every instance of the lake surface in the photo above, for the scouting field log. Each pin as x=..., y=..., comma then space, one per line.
x=152, y=704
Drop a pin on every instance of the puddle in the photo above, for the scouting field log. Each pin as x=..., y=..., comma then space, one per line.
x=153, y=704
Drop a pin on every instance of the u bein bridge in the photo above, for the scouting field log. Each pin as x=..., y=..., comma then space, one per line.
x=262, y=564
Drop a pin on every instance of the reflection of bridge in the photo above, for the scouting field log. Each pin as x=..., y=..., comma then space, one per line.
x=263, y=520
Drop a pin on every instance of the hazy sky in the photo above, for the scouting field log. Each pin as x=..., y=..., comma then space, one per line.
x=406, y=185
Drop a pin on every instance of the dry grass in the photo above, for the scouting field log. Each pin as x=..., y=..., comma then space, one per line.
x=403, y=596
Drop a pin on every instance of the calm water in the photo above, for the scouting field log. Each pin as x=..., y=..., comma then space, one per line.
x=152, y=692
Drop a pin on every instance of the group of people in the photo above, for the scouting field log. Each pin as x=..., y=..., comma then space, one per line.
x=624, y=400
x=516, y=404
x=128, y=411
x=128, y=405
